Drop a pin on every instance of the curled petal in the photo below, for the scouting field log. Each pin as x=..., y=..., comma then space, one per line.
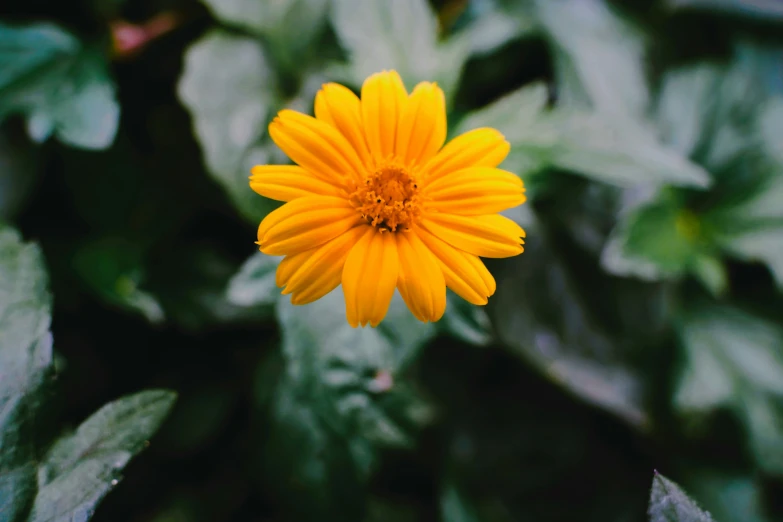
x=485, y=236
x=475, y=191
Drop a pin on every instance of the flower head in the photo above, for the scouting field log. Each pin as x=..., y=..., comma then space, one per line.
x=377, y=202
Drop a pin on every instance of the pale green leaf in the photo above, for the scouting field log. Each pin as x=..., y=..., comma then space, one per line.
x=763, y=244
x=748, y=346
x=289, y=26
x=25, y=308
x=454, y=507
x=728, y=497
x=25, y=366
x=770, y=127
x=254, y=284
x=509, y=114
x=30, y=50
x=669, y=503
x=582, y=142
x=605, y=52
x=493, y=29
x=733, y=360
x=81, y=468
x=466, y=322
x=763, y=417
x=591, y=145
x=402, y=35
x=301, y=449
x=752, y=228
x=351, y=372
x=683, y=111
x=229, y=112
x=543, y=315
x=61, y=87
x=19, y=174
x=768, y=10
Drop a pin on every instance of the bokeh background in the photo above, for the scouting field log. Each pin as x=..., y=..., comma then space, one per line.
x=641, y=330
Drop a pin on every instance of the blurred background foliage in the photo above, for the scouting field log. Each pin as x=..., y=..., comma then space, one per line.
x=642, y=329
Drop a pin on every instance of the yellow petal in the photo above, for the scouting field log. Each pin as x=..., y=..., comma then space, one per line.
x=485, y=236
x=477, y=148
x=464, y=273
x=475, y=191
x=340, y=107
x=422, y=128
x=287, y=267
x=295, y=207
x=383, y=101
x=305, y=223
x=420, y=281
x=369, y=277
x=287, y=182
x=318, y=271
x=316, y=146
x=481, y=269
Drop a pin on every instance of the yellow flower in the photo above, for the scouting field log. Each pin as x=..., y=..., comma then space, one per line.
x=377, y=202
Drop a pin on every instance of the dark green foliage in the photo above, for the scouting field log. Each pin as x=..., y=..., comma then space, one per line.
x=642, y=328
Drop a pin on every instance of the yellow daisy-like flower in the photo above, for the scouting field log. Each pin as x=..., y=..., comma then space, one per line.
x=377, y=202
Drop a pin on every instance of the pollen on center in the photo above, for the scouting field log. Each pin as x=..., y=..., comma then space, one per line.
x=389, y=198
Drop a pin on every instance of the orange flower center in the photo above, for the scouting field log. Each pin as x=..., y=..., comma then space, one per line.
x=389, y=198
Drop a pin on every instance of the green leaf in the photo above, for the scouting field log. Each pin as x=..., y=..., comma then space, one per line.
x=400, y=35
x=289, y=26
x=752, y=228
x=466, y=322
x=728, y=497
x=711, y=272
x=510, y=113
x=656, y=241
x=766, y=10
x=190, y=284
x=543, y=313
x=59, y=85
x=81, y=468
x=708, y=111
x=770, y=128
x=669, y=503
x=351, y=372
x=599, y=58
x=229, y=112
x=733, y=359
x=254, y=284
x=301, y=450
x=19, y=173
x=491, y=30
x=764, y=244
x=113, y=269
x=25, y=368
x=454, y=508
x=25, y=308
x=581, y=142
x=682, y=112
